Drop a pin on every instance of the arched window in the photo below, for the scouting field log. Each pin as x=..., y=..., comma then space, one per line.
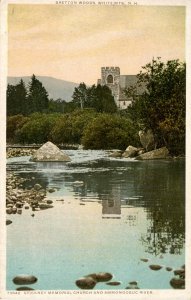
x=109, y=79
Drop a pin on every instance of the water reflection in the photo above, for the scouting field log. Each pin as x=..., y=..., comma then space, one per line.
x=165, y=234
x=111, y=207
x=158, y=187
x=165, y=207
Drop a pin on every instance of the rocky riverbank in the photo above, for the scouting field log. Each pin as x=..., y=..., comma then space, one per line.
x=15, y=152
x=19, y=198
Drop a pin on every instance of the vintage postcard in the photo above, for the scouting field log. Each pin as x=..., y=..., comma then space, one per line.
x=95, y=146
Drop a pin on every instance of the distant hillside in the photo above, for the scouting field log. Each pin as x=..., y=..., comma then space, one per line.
x=56, y=88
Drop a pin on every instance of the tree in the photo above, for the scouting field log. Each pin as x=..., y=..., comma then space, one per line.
x=12, y=102
x=56, y=106
x=104, y=101
x=37, y=96
x=17, y=99
x=97, y=97
x=80, y=95
x=162, y=106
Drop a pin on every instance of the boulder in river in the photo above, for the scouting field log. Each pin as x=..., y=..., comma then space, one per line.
x=180, y=272
x=177, y=283
x=19, y=204
x=24, y=279
x=130, y=152
x=87, y=283
x=14, y=210
x=50, y=152
x=8, y=222
x=132, y=287
x=116, y=154
x=144, y=259
x=155, y=267
x=24, y=288
x=160, y=153
x=45, y=206
x=113, y=283
x=37, y=187
x=101, y=277
x=9, y=210
x=133, y=283
x=49, y=201
x=51, y=190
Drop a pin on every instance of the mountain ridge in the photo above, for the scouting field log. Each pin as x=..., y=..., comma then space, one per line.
x=56, y=88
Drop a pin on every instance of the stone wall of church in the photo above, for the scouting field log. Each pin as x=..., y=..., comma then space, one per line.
x=110, y=76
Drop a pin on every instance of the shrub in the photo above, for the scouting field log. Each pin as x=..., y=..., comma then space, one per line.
x=109, y=131
x=37, y=129
x=14, y=123
x=70, y=127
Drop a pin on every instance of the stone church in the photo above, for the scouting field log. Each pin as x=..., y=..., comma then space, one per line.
x=111, y=77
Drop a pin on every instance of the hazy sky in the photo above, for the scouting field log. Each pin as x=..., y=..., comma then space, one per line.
x=74, y=42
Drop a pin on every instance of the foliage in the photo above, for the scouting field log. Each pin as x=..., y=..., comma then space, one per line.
x=162, y=106
x=70, y=127
x=94, y=130
x=34, y=98
x=80, y=95
x=96, y=97
x=69, y=107
x=109, y=131
x=37, y=96
x=16, y=99
x=57, y=106
x=103, y=101
x=37, y=129
x=14, y=123
x=22, y=100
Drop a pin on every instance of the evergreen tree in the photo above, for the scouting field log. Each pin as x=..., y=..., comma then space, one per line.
x=22, y=95
x=37, y=96
x=104, y=101
x=11, y=100
x=17, y=99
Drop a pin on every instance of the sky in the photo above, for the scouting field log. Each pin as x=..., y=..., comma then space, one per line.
x=73, y=42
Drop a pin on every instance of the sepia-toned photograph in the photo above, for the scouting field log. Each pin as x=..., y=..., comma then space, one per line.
x=95, y=149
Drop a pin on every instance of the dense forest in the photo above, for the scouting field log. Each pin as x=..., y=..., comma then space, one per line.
x=92, y=117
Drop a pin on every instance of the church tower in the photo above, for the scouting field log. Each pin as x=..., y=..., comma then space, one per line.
x=110, y=76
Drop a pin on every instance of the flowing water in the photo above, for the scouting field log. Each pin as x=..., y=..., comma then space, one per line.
x=114, y=213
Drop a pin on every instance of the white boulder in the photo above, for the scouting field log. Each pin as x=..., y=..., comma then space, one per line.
x=49, y=152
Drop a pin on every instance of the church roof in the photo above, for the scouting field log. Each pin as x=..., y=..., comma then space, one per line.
x=127, y=81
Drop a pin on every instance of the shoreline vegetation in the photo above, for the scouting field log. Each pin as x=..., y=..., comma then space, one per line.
x=92, y=118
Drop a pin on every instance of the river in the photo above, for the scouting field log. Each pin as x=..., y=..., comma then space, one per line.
x=113, y=214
